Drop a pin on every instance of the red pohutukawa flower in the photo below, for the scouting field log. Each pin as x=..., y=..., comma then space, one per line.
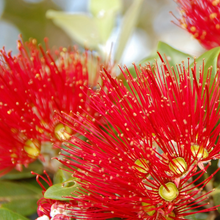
x=16, y=150
x=139, y=164
x=34, y=84
x=201, y=18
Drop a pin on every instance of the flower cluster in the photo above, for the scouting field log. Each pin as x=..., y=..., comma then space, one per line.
x=142, y=163
x=133, y=147
x=201, y=18
x=34, y=85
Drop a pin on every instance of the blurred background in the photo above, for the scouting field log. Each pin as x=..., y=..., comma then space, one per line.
x=28, y=17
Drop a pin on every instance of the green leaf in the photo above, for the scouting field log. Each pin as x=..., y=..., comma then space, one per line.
x=128, y=25
x=61, y=176
x=60, y=190
x=198, y=216
x=173, y=56
x=211, y=59
x=80, y=27
x=30, y=21
x=36, y=166
x=216, y=196
x=105, y=25
x=99, y=7
x=21, y=198
x=6, y=214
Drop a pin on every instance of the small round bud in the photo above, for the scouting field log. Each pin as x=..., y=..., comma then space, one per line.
x=32, y=148
x=62, y=132
x=170, y=193
x=199, y=151
x=148, y=208
x=141, y=165
x=178, y=165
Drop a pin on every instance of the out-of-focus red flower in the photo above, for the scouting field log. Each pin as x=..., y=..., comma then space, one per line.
x=16, y=150
x=33, y=86
x=201, y=18
x=139, y=163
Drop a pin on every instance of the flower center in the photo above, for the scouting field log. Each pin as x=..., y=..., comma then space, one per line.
x=32, y=148
x=199, y=152
x=170, y=193
x=178, y=165
x=141, y=165
x=148, y=208
x=62, y=132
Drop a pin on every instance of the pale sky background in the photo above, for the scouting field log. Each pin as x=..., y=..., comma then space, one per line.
x=154, y=25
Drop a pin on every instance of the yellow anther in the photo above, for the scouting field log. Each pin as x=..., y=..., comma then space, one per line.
x=34, y=41
x=217, y=26
x=62, y=132
x=215, y=2
x=184, y=25
x=148, y=208
x=62, y=53
x=178, y=165
x=213, y=15
x=182, y=12
x=170, y=193
x=32, y=148
x=37, y=75
x=204, y=33
x=9, y=111
x=199, y=152
x=19, y=44
x=14, y=155
x=141, y=165
x=193, y=28
x=195, y=35
x=41, y=130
